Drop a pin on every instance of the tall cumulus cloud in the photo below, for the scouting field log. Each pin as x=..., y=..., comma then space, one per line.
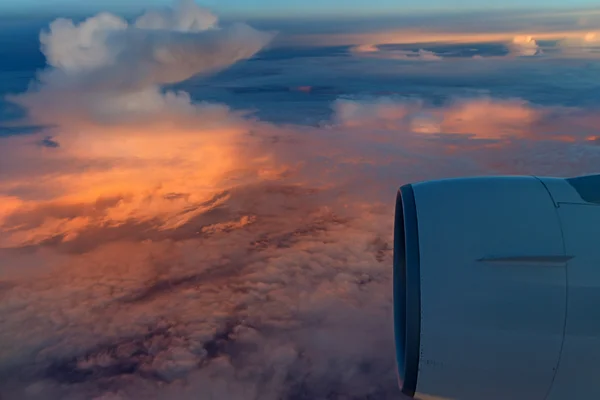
x=155, y=247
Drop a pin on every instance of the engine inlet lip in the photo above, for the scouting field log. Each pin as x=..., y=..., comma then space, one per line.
x=407, y=290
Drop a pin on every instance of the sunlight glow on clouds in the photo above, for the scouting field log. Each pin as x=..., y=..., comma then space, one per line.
x=110, y=133
x=155, y=247
x=524, y=46
x=518, y=43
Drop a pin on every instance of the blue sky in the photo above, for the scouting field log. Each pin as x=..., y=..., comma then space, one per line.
x=286, y=7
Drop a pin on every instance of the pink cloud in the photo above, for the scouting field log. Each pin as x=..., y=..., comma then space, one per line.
x=162, y=249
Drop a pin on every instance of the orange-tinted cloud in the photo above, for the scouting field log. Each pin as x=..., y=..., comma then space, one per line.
x=155, y=248
x=413, y=36
x=169, y=173
x=160, y=174
x=480, y=118
x=408, y=55
x=477, y=117
x=115, y=134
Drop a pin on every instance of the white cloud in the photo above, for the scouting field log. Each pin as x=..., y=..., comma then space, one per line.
x=169, y=250
x=103, y=94
x=104, y=67
x=524, y=46
x=186, y=16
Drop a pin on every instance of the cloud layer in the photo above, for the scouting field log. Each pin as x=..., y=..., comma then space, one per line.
x=110, y=120
x=155, y=247
x=408, y=55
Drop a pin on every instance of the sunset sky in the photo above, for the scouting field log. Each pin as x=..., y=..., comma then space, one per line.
x=294, y=8
x=198, y=199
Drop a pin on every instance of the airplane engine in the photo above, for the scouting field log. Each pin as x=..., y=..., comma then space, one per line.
x=497, y=288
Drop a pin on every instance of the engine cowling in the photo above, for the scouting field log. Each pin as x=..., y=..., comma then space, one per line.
x=497, y=288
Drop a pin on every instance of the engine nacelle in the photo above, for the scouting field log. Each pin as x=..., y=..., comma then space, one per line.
x=497, y=288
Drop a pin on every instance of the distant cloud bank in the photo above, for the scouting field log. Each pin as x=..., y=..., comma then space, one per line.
x=155, y=247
